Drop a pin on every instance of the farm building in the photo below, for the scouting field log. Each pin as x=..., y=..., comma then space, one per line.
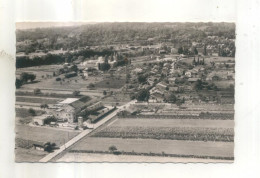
x=68, y=109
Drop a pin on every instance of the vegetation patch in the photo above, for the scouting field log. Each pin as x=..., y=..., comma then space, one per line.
x=172, y=133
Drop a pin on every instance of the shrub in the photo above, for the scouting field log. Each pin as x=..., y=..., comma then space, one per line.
x=36, y=91
x=32, y=112
x=112, y=148
x=58, y=79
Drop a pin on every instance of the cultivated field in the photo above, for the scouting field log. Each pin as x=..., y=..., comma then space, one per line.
x=174, y=147
x=173, y=123
x=29, y=99
x=171, y=133
x=110, y=83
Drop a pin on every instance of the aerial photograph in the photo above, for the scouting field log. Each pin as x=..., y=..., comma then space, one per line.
x=125, y=92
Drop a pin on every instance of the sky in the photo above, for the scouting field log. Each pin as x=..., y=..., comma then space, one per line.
x=126, y=10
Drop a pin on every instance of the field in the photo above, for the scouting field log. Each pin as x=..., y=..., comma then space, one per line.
x=28, y=155
x=110, y=83
x=149, y=139
x=41, y=134
x=174, y=147
x=42, y=100
x=172, y=129
x=22, y=115
x=173, y=123
x=171, y=133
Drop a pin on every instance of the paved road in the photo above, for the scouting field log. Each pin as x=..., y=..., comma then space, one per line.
x=84, y=133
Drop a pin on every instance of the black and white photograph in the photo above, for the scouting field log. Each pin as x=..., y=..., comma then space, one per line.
x=125, y=92
x=129, y=88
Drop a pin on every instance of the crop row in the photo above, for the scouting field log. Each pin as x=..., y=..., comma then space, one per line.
x=203, y=116
x=172, y=133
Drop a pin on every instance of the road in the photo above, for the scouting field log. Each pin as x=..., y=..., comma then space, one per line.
x=84, y=133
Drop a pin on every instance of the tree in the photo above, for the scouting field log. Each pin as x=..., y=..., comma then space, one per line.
x=104, y=92
x=198, y=85
x=172, y=98
x=180, y=50
x=104, y=67
x=195, y=51
x=76, y=93
x=143, y=95
x=142, y=78
x=44, y=106
x=179, y=103
x=112, y=148
x=205, y=50
x=194, y=61
x=18, y=83
x=24, y=77
x=91, y=85
x=32, y=112
x=32, y=77
x=36, y=91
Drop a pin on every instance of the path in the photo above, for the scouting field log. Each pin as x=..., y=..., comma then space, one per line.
x=84, y=133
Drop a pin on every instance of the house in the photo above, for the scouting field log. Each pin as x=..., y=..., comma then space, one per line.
x=174, y=51
x=68, y=109
x=173, y=89
x=137, y=71
x=188, y=74
x=192, y=80
x=162, y=52
x=161, y=86
x=172, y=80
x=157, y=97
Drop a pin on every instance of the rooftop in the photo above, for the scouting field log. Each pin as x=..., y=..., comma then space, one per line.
x=68, y=100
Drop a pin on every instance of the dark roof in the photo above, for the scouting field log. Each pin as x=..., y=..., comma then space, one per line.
x=77, y=104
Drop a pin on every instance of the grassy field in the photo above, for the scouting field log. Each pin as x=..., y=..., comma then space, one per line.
x=173, y=123
x=21, y=112
x=28, y=155
x=29, y=99
x=110, y=83
x=198, y=148
x=41, y=134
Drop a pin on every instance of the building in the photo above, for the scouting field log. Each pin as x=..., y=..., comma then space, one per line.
x=172, y=80
x=95, y=106
x=68, y=109
x=161, y=86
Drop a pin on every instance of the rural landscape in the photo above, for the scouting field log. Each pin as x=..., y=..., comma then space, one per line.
x=125, y=92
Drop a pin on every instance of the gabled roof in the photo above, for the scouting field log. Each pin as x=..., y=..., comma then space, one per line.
x=77, y=104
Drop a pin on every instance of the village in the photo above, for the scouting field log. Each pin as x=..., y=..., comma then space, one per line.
x=155, y=92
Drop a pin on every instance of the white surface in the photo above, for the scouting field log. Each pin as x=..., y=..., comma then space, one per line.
x=69, y=100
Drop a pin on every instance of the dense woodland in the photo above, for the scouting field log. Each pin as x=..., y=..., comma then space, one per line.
x=106, y=36
x=121, y=33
